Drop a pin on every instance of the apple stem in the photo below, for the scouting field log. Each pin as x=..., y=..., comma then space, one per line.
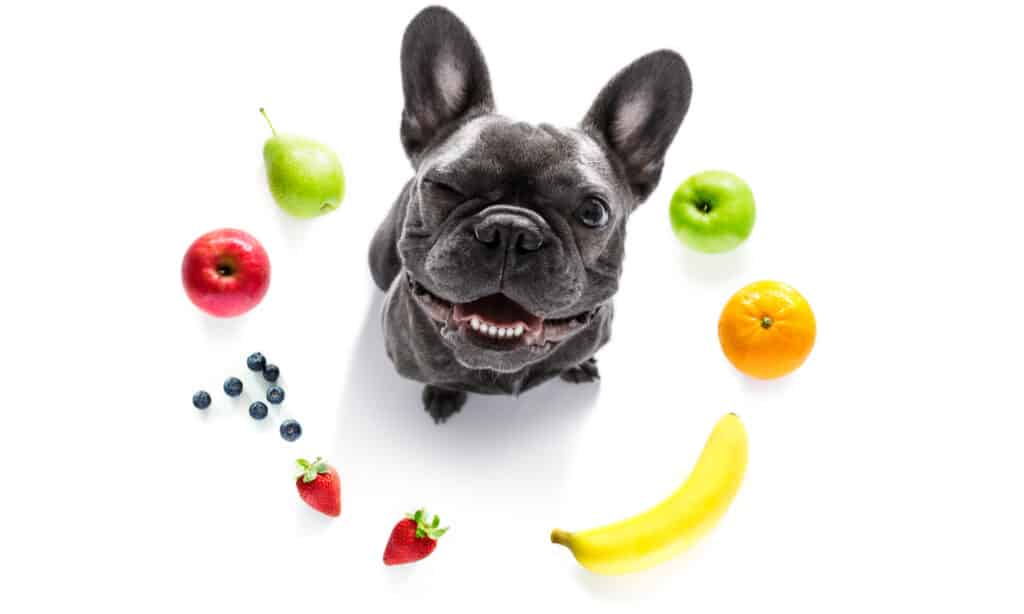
x=264, y=114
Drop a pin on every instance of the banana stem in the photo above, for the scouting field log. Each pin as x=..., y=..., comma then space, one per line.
x=558, y=536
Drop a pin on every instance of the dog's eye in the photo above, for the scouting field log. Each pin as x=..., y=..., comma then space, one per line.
x=593, y=213
x=442, y=188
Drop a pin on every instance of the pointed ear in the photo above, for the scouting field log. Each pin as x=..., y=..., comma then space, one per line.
x=638, y=113
x=444, y=78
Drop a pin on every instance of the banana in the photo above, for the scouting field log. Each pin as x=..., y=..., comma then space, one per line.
x=676, y=523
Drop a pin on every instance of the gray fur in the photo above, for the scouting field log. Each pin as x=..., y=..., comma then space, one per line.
x=493, y=208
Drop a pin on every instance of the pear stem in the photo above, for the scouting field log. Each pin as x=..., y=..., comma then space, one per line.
x=264, y=114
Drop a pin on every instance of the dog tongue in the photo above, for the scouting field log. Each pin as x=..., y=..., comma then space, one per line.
x=496, y=309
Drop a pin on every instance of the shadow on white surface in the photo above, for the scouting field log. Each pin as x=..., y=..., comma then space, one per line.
x=527, y=441
x=309, y=522
x=221, y=329
x=398, y=575
x=764, y=388
x=634, y=587
x=714, y=268
x=295, y=230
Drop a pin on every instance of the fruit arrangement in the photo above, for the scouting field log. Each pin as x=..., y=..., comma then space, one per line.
x=766, y=330
x=290, y=429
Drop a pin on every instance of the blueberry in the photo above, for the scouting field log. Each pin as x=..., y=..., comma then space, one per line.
x=258, y=410
x=271, y=373
x=232, y=386
x=275, y=394
x=256, y=362
x=201, y=399
x=290, y=430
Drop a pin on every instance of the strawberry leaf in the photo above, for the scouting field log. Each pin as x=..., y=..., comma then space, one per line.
x=436, y=534
x=309, y=470
x=304, y=468
x=427, y=527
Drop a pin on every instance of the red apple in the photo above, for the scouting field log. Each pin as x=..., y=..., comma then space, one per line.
x=226, y=272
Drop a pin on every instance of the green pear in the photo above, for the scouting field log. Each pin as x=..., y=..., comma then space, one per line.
x=305, y=176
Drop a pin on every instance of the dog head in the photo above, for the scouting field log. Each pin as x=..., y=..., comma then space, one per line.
x=513, y=234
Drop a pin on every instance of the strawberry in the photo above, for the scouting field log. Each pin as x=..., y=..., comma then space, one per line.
x=413, y=538
x=319, y=486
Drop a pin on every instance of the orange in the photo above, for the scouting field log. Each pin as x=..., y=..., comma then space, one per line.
x=767, y=329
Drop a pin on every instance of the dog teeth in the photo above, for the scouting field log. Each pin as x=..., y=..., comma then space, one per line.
x=498, y=332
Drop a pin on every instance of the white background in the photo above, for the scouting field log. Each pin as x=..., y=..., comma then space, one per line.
x=882, y=142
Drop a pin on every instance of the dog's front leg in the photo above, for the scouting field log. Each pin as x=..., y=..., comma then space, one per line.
x=442, y=403
x=583, y=373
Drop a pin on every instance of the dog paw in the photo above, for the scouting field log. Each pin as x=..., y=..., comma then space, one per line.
x=583, y=373
x=442, y=403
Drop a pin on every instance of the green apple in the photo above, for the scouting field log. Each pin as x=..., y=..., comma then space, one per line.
x=305, y=176
x=712, y=211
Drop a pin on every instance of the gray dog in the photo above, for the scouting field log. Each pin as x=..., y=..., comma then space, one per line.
x=501, y=256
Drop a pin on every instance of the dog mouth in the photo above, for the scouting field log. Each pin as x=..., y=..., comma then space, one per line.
x=496, y=321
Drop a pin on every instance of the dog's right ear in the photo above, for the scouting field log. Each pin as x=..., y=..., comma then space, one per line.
x=444, y=79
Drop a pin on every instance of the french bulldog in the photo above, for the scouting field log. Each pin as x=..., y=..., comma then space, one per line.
x=502, y=254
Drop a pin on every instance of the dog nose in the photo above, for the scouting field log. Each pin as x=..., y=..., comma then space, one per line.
x=504, y=229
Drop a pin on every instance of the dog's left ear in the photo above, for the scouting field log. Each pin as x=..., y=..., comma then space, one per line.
x=638, y=113
x=444, y=78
